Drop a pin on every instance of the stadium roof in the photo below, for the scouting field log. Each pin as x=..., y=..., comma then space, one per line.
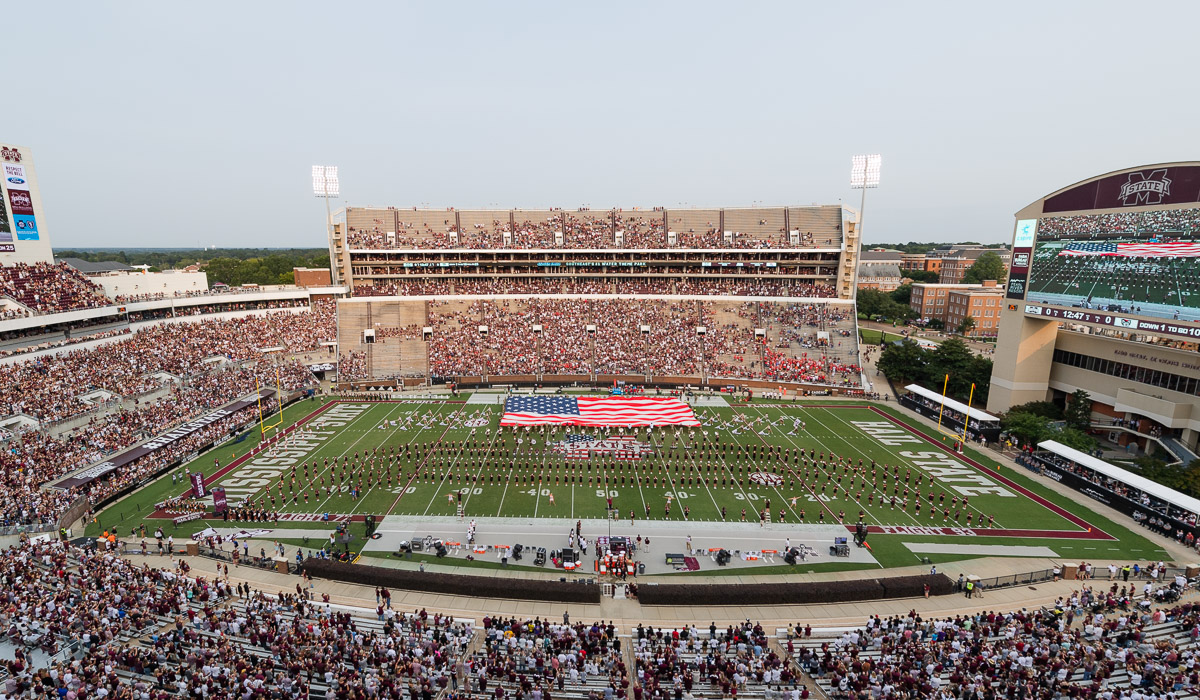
x=880, y=271
x=1125, y=476
x=879, y=256
x=950, y=403
x=89, y=268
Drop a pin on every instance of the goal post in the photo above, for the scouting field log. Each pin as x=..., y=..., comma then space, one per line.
x=263, y=426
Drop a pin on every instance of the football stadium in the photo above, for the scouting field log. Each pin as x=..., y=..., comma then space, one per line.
x=520, y=451
x=632, y=414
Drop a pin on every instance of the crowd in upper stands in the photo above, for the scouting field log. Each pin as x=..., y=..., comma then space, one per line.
x=49, y=287
x=585, y=229
x=148, y=382
x=814, y=343
x=686, y=286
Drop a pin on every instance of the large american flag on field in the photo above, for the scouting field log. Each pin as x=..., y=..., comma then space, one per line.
x=1133, y=250
x=622, y=411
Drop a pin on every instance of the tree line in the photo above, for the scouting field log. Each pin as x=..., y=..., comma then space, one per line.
x=233, y=266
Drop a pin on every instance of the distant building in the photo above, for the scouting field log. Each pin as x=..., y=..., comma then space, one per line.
x=879, y=269
x=139, y=284
x=932, y=301
x=311, y=276
x=980, y=303
x=956, y=260
x=912, y=261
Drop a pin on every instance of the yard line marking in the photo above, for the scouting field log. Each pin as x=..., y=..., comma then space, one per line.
x=487, y=456
x=447, y=476
x=786, y=467
x=786, y=501
x=352, y=446
x=824, y=506
x=421, y=463
x=314, y=454
x=700, y=474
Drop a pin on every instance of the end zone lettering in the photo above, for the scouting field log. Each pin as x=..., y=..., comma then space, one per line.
x=919, y=530
x=887, y=433
x=947, y=469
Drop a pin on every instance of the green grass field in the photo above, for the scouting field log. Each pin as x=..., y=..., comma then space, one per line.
x=432, y=458
x=871, y=336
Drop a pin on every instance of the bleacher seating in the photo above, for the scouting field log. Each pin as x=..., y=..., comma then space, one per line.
x=47, y=288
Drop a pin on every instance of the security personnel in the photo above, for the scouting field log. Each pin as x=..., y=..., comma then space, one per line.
x=1125, y=572
x=970, y=587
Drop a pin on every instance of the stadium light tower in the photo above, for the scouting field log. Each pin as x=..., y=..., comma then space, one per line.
x=325, y=186
x=864, y=175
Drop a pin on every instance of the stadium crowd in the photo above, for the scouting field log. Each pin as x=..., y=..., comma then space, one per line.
x=49, y=288
x=1104, y=642
x=688, y=286
x=202, y=637
x=815, y=342
x=155, y=379
x=583, y=229
x=134, y=630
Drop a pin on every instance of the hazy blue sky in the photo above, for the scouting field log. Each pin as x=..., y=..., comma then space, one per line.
x=182, y=124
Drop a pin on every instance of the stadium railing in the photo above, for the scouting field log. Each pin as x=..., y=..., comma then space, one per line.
x=30, y=529
x=1042, y=575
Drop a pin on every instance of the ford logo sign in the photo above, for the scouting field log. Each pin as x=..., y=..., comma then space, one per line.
x=16, y=181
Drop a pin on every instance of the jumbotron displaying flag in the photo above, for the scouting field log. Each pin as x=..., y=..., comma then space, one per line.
x=622, y=411
x=1133, y=250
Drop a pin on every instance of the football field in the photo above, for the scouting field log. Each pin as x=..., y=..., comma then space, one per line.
x=783, y=463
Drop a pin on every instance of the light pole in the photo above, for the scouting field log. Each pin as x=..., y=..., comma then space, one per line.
x=864, y=175
x=325, y=186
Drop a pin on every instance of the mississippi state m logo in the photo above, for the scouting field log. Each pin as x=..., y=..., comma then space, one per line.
x=1140, y=189
x=10, y=155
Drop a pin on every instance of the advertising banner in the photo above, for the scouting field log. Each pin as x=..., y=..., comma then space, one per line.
x=198, y=485
x=5, y=224
x=26, y=227
x=161, y=442
x=1018, y=270
x=14, y=177
x=1148, y=187
x=20, y=201
x=220, y=503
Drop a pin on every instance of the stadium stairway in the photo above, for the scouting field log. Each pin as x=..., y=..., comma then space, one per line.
x=774, y=645
x=1180, y=454
x=1177, y=448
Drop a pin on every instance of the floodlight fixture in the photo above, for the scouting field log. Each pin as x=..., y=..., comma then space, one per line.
x=864, y=171
x=325, y=181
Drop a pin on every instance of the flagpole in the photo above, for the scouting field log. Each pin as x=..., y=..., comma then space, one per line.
x=943, y=407
x=279, y=397
x=967, y=418
x=258, y=392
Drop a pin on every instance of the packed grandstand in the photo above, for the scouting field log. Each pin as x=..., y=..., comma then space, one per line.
x=81, y=621
x=667, y=296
